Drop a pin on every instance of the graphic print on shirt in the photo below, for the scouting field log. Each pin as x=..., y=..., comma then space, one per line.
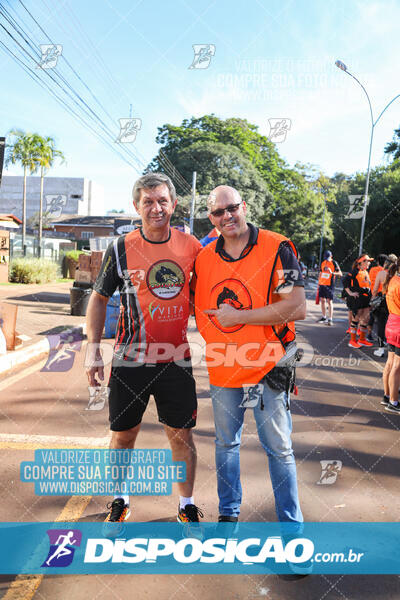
x=234, y=293
x=165, y=279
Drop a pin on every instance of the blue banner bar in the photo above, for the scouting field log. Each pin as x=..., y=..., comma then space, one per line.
x=251, y=548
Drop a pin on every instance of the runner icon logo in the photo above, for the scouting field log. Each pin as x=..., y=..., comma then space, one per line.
x=61, y=551
x=330, y=471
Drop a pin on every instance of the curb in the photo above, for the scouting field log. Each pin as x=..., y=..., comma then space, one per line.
x=18, y=358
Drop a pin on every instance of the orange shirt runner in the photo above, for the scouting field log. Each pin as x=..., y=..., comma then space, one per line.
x=153, y=279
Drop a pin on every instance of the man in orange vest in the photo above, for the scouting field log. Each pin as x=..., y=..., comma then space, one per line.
x=329, y=268
x=249, y=292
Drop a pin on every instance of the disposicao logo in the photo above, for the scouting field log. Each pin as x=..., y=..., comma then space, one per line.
x=191, y=550
x=61, y=551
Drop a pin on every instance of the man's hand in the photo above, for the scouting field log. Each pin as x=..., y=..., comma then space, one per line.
x=94, y=365
x=226, y=315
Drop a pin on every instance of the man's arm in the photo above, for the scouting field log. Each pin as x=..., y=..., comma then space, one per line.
x=337, y=270
x=290, y=307
x=380, y=278
x=95, y=319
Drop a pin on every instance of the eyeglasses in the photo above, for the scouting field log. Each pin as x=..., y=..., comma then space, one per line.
x=232, y=208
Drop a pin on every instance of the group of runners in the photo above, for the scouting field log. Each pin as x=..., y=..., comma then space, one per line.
x=247, y=291
x=372, y=295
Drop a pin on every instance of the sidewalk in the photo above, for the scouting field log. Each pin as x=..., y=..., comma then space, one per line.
x=43, y=309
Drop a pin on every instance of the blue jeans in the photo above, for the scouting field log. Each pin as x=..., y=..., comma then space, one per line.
x=274, y=426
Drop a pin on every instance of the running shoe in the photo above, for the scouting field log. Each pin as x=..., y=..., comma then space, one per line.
x=393, y=408
x=385, y=401
x=354, y=344
x=189, y=516
x=379, y=352
x=329, y=322
x=365, y=343
x=321, y=320
x=114, y=522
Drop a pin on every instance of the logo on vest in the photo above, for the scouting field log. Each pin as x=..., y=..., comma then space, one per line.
x=165, y=279
x=234, y=293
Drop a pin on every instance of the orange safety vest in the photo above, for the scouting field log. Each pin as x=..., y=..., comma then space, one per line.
x=325, y=276
x=373, y=272
x=363, y=279
x=393, y=295
x=242, y=354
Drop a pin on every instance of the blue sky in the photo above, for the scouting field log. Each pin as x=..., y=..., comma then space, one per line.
x=273, y=59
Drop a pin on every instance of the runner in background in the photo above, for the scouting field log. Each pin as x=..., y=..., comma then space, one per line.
x=391, y=374
x=210, y=237
x=358, y=289
x=329, y=268
x=373, y=272
x=381, y=311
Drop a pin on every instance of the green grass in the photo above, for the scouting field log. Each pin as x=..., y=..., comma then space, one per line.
x=33, y=270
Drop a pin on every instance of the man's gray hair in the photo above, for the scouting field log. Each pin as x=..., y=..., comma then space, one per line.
x=152, y=180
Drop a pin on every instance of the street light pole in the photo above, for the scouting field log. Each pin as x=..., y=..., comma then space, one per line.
x=343, y=67
x=322, y=231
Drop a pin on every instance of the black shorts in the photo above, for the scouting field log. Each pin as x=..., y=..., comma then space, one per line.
x=356, y=304
x=172, y=386
x=394, y=349
x=325, y=291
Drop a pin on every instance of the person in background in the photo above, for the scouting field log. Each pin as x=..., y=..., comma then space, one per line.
x=373, y=272
x=391, y=373
x=210, y=237
x=357, y=286
x=381, y=312
x=329, y=268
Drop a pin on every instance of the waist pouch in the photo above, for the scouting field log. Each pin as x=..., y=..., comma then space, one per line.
x=281, y=379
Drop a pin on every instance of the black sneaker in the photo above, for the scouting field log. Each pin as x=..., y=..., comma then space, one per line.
x=227, y=526
x=114, y=522
x=189, y=516
x=385, y=401
x=393, y=408
x=321, y=320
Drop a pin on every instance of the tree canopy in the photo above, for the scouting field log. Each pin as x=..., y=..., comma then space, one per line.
x=233, y=152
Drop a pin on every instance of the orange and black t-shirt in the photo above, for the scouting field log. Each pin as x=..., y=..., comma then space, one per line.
x=153, y=280
x=328, y=267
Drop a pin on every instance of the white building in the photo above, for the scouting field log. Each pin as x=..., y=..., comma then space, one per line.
x=62, y=196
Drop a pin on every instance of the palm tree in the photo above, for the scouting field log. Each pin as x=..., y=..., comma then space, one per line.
x=23, y=150
x=47, y=154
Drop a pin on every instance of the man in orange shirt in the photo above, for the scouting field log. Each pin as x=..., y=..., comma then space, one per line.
x=329, y=268
x=151, y=266
x=249, y=292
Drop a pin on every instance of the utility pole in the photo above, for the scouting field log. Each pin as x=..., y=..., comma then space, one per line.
x=193, y=201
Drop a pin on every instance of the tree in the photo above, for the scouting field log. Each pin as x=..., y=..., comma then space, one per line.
x=34, y=221
x=24, y=150
x=233, y=132
x=393, y=147
x=47, y=154
x=383, y=213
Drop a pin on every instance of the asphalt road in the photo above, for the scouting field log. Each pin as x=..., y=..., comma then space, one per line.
x=337, y=417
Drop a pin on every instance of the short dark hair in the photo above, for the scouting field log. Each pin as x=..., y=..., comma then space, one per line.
x=381, y=259
x=152, y=180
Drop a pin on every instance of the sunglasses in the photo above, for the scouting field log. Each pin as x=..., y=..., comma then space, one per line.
x=232, y=208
